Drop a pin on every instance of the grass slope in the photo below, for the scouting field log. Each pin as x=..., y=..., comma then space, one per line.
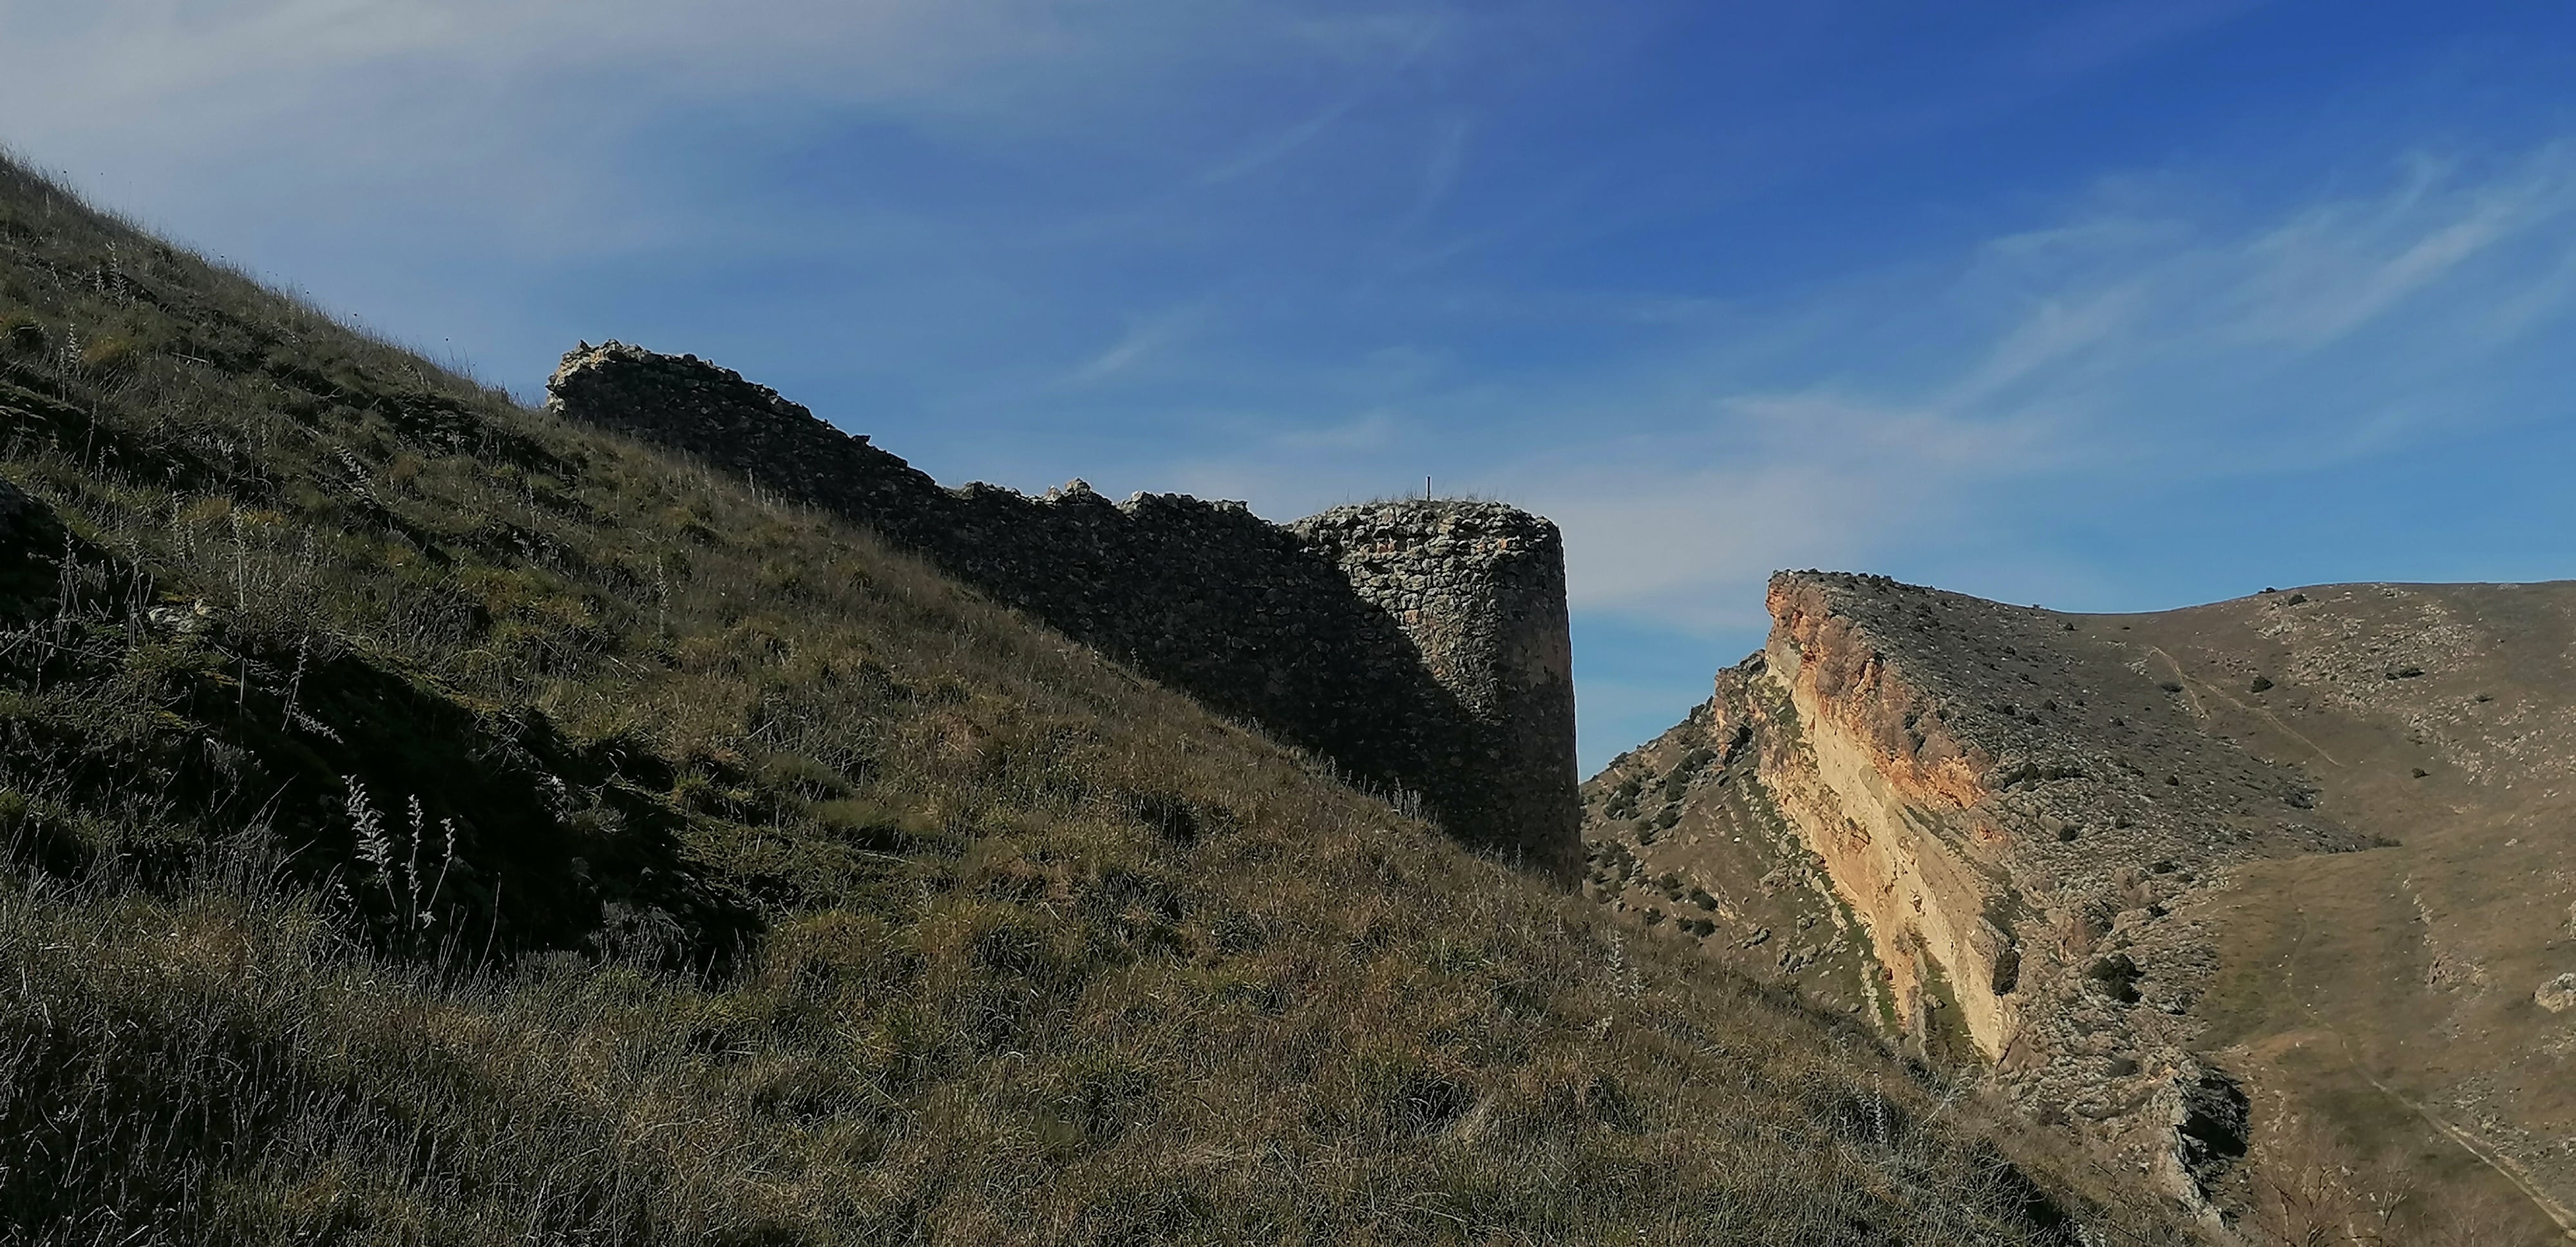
x=2387, y=997
x=429, y=823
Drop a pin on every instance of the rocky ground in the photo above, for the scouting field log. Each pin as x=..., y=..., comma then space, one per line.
x=2088, y=856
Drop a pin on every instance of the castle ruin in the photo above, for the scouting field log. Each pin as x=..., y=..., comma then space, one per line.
x=1420, y=645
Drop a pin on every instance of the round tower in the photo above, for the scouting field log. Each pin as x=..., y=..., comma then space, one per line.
x=1479, y=589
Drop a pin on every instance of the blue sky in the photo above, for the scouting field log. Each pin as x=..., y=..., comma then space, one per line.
x=2106, y=306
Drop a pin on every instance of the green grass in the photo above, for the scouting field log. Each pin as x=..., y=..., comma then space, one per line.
x=796, y=894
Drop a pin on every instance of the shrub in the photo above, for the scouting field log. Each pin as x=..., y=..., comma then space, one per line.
x=2117, y=977
x=109, y=357
x=22, y=331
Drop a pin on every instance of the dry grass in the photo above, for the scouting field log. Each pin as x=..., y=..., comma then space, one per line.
x=2307, y=1188
x=796, y=895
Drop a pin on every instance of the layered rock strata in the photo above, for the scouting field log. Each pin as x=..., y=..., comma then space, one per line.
x=1421, y=645
x=2012, y=807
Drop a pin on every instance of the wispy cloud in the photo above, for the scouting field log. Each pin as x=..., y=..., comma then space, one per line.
x=2085, y=38
x=112, y=59
x=2055, y=328
x=525, y=119
x=2339, y=266
x=1144, y=340
x=157, y=98
x=1270, y=149
x=2136, y=345
x=1381, y=50
x=1368, y=431
x=1440, y=169
x=2148, y=337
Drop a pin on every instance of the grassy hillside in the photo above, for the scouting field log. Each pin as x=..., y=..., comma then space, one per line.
x=2391, y=996
x=428, y=823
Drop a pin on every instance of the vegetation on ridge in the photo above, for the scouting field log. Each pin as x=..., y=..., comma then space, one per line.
x=425, y=822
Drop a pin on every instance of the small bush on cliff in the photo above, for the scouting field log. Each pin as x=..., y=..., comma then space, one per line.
x=2117, y=977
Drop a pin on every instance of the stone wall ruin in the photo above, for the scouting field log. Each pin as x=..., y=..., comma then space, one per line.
x=1421, y=645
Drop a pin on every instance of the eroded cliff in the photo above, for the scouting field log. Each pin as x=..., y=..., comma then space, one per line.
x=2009, y=807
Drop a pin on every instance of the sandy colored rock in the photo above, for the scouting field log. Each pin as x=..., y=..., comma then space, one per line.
x=2558, y=995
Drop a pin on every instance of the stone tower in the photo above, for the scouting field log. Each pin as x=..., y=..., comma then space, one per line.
x=1479, y=588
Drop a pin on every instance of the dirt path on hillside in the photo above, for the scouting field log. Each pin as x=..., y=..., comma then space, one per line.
x=2502, y=1164
x=2192, y=689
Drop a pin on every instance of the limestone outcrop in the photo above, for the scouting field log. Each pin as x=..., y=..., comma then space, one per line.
x=2014, y=811
x=2558, y=995
x=1422, y=644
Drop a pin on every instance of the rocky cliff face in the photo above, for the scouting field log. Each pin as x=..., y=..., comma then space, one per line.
x=1422, y=645
x=2010, y=809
